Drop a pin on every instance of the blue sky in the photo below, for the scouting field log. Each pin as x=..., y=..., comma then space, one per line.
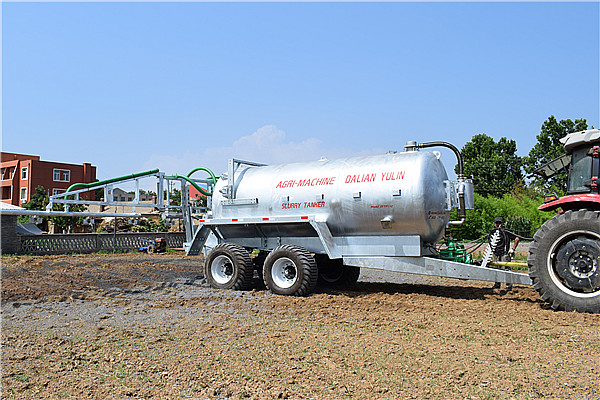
x=135, y=86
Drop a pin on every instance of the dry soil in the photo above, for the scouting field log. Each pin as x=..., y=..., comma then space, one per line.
x=149, y=326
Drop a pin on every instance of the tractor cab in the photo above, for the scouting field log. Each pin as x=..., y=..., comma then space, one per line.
x=582, y=161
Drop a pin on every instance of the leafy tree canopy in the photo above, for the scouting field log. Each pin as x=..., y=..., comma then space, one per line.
x=39, y=201
x=494, y=166
x=517, y=208
x=174, y=197
x=549, y=147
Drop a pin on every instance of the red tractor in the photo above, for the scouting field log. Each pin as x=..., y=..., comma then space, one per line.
x=564, y=258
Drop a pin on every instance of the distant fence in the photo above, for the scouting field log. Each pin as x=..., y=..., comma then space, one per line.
x=93, y=242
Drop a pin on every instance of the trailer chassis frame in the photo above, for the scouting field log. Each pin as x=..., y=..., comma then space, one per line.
x=404, y=254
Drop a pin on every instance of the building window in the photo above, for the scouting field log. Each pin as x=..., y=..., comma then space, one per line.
x=7, y=173
x=24, y=194
x=57, y=191
x=62, y=175
x=6, y=193
x=24, y=172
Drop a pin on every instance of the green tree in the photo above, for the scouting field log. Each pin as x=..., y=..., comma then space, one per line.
x=200, y=201
x=549, y=147
x=99, y=194
x=495, y=167
x=39, y=201
x=65, y=223
x=175, y=197
x=518, y=208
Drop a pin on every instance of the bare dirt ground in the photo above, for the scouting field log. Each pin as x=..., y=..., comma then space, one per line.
x=140, y=326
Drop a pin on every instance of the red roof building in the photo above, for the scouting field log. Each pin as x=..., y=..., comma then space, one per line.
x=21, y=173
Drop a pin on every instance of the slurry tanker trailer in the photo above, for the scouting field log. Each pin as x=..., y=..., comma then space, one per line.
x=324, y=220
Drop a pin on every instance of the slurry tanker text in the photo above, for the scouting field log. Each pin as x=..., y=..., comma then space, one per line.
x=351, y=178
x=306, y=204
x=306, y=182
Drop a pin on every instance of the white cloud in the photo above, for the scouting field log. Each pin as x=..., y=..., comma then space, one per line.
x=267, y=145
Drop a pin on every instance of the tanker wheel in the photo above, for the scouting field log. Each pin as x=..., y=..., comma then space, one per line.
x=290, y=270
x=564, y=261
x=229, y=266
x=333, y=273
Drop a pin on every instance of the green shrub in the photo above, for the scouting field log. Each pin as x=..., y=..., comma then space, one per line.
x=519, y=210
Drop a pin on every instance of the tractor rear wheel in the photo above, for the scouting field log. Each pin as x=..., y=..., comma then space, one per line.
x=564, y=261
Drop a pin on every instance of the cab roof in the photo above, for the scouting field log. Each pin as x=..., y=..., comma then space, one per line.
x=576, y=139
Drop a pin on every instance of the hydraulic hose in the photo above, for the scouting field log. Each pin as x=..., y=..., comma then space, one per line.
x=462, y=211
x=194, y=184
x=141, y=174
x=451, y=147
x=111, y=180
x=212, y=178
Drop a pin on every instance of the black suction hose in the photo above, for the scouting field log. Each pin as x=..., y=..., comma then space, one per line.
x=451, y=147
x=462, y=212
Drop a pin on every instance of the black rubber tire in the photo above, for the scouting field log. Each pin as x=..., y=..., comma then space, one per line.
x=300, y=262
x=548, y=265
x=334, y=274
x=229, y=266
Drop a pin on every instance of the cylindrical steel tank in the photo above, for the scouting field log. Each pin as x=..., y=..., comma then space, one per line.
x=393, y=194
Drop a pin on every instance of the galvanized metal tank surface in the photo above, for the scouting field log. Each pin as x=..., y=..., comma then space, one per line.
x=392, y=194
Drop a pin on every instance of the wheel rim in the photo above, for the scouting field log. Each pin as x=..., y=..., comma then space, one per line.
x=577, y=272
x=284, y=273
x=221, y=269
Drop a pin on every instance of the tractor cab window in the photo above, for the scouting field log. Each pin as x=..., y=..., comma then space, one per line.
x=580, y=172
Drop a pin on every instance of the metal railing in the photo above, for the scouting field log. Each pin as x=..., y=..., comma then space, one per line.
x=93, y=242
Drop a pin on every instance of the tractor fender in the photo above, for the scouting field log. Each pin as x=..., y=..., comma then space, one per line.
x=573, y=202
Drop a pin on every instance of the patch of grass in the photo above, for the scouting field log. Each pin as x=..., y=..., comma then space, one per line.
x=121, y=372
x=520, y=257
x=22, y=377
